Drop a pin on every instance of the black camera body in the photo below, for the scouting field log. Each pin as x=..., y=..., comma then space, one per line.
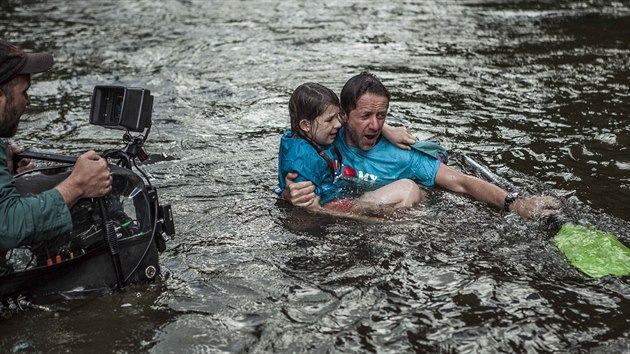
x=118, y=236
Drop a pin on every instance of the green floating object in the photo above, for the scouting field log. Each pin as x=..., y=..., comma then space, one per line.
x=594, y=252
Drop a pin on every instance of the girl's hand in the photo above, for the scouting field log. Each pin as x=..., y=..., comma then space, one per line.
x=399, y=136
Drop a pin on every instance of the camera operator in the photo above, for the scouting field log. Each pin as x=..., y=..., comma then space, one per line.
x=27, y=220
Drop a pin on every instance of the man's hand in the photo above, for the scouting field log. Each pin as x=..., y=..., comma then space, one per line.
x=399, y=136
x=536, y=207
x=22, y=165
x=300, y=194
x=90, y=178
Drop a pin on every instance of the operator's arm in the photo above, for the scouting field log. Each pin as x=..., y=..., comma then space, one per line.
x=30, y=219
x=528, y=208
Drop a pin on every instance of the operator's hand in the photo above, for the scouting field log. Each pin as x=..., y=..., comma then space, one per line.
x=22, y=165
x=300, y=194
x=536, y=207
x=93, y=175
x=90, y=178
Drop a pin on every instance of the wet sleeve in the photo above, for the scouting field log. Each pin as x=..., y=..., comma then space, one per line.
x=319, y=174
x=423, y=168
x=306, y=169
x=307, y=164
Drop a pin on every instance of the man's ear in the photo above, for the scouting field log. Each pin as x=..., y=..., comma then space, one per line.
x=305, y=125
x=343, y=116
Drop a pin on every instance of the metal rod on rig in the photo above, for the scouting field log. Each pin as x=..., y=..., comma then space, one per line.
x=487, y=174
x=45, y=156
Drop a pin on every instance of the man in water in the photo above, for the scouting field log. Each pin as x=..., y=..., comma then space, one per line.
x=366, y=101
x=25, y=220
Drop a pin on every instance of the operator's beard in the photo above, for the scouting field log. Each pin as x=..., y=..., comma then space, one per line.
x=9, y=119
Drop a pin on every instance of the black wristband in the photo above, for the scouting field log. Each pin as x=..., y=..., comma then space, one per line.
x=509, y=199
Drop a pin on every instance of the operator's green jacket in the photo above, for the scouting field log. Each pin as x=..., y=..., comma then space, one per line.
x=25, y=220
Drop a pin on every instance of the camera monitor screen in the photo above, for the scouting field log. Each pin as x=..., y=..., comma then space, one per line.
x=121, y=107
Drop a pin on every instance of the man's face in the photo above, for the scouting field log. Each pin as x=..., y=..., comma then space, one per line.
x=13, y=104
x=365, y=122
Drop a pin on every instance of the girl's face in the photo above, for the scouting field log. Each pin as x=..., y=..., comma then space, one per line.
x=323, y=129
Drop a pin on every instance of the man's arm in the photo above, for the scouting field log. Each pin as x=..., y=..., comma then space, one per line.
x=300, y=194
x=46, y=215
x=528, y=208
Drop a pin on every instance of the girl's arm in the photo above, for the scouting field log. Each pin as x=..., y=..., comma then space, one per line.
x=398, y=136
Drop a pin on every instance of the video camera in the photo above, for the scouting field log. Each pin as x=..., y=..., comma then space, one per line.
x=116, y=237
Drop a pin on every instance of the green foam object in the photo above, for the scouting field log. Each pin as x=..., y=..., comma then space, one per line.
x=594, y=252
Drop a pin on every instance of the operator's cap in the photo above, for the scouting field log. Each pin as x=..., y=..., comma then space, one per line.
x=14, y=61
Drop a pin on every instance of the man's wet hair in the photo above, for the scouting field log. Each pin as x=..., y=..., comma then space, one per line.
x=359, y=85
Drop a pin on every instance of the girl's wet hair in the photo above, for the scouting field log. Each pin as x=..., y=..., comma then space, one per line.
x=359, y=85
x=309, y=101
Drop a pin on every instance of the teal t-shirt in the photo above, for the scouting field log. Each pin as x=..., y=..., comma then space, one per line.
x=385, y=163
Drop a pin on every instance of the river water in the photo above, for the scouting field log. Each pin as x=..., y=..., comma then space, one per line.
x=536, y=90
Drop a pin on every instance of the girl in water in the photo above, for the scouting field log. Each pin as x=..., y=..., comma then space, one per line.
x=308, y=150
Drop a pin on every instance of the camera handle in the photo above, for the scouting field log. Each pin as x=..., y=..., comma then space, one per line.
x=43, y=156
x=134, y=149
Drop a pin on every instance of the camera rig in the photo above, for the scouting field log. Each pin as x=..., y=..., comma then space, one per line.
x=116, y=238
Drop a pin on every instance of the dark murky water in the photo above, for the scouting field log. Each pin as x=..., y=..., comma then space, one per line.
x=537, y=90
